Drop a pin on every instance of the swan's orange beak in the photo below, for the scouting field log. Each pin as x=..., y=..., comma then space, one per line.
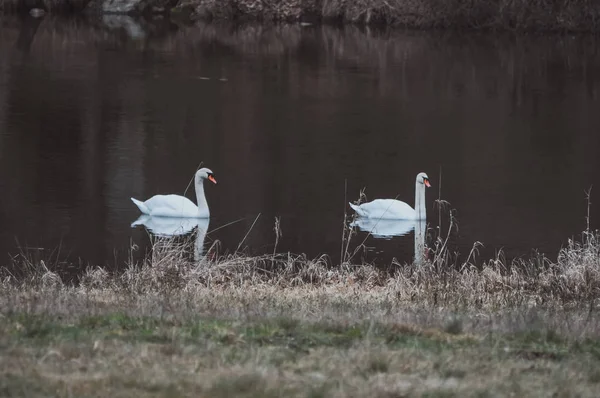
x=426, y=182
x=212, y=179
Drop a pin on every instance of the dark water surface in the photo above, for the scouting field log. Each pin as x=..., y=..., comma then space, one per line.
x=294, y=121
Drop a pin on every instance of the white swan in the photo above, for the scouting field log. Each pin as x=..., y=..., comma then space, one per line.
x=396, y=209
x=177, y=205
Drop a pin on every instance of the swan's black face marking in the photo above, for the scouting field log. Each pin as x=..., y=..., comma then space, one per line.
x=211, y=178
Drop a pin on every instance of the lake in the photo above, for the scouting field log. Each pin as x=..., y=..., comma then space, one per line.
x=294, y=120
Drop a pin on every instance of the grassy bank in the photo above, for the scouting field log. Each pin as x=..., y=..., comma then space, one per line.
x=125, y=355
x=284, y=325
x=541, y=15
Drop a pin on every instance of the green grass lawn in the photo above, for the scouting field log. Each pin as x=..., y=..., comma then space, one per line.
x=69, y=342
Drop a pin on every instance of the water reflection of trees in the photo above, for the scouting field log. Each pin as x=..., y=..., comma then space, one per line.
x=115, y=106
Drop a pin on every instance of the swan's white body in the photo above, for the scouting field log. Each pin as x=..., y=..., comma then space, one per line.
x=392, y=209
x=177, y=205
x=385, y=209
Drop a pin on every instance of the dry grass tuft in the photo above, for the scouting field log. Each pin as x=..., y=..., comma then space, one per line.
x=572, y=280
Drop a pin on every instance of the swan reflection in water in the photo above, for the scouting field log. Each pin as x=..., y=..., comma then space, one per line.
x=386, y=229
x=167, y=229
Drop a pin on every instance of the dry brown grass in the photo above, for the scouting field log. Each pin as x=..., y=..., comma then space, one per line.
x=174, y=265
x=572, y=280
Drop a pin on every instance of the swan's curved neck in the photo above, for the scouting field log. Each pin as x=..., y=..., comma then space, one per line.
x=420, y=209
x=201, y=199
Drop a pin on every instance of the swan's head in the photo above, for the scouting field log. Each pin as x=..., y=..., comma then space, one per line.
x=206, y=174
x=423, y=179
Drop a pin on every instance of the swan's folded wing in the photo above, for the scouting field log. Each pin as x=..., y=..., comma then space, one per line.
x=387, y=209
x=171, y=205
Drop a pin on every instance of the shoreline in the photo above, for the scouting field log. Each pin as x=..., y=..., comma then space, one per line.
x=502, y=16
